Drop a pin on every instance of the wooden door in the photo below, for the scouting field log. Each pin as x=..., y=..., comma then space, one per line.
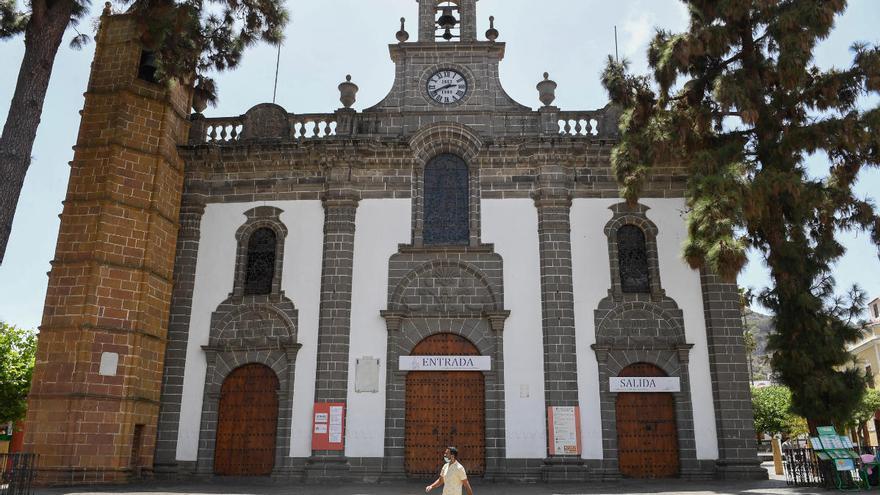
x=445, y=409
x=647, y=435
x=247, y=422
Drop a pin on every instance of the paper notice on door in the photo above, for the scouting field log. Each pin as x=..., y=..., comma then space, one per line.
x=321, y=428
x=320, y=417
x=335, y=415
x=565, y=431
x=335, y=433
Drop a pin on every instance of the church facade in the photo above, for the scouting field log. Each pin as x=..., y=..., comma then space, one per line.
x=354, y=291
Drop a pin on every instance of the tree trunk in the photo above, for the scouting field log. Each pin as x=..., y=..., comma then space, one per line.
x=42, y=39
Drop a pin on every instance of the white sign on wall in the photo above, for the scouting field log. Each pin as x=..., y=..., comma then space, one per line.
x=645, y=384
x=445, y=363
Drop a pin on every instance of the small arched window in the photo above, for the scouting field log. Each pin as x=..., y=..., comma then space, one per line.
x=260, y=262
x=632, y=252
x=446, y=211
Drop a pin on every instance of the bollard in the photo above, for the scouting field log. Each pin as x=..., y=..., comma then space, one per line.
x=777, y=455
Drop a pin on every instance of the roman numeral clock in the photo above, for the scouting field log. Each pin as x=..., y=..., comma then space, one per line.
x=447, y=87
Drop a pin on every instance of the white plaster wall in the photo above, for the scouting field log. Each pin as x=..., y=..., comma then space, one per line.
x=682, y=284
x=512, y=225
x=591, y=281
x=380, y=225
x=301, y=281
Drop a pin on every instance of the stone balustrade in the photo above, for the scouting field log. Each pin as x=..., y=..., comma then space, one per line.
x=580, y=123
x=272, y=122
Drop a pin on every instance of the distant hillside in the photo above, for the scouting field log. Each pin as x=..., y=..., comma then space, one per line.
x=760, y=325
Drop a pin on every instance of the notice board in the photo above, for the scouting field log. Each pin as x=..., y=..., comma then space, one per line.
x=328, y=426
x=564, y=430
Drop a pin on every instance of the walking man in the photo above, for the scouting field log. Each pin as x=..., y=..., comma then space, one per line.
x=452, y=476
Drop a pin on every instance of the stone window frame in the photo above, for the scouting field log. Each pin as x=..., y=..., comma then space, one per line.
x=257, y=218
x=625, y=214
x=438, y=139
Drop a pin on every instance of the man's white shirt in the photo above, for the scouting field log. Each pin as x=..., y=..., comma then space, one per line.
x=453, y=475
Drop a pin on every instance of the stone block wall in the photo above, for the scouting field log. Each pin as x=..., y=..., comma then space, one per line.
x=110, y=286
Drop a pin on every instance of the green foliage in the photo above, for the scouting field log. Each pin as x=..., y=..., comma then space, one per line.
x=12, y=21
x=737, y=103
x=866, y=409
x=190, y=38
x=772, y=407
x=17, y=349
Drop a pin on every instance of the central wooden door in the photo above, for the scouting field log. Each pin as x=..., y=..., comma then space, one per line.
x=647, y=434
x=247, y=422
x=445, y=408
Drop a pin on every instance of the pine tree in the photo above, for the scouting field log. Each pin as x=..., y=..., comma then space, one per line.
x=188, y=37
x=737, y=103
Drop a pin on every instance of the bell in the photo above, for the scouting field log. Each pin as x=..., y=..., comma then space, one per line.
x=447, y=21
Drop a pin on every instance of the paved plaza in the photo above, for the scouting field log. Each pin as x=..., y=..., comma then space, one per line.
x=241, y=486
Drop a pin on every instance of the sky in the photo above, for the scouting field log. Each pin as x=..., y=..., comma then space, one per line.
x=328, y=39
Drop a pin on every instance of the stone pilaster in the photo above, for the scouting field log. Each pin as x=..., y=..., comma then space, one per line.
x=178, y=336
x=334, y=320
x=734, y=420
x=553, y=201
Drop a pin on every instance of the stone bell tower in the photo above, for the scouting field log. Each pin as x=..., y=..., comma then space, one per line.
x=94, y=402
x=454, y=19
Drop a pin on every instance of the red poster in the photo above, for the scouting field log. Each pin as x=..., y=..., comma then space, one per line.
x=564, y=430
x=328, y=426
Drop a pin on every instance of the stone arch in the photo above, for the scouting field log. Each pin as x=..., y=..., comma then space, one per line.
x=220, y=363
x=445, y=137
x=404, y=334
x=617, y=328
x=452, y=286
x=226, y=332
x=673, y=362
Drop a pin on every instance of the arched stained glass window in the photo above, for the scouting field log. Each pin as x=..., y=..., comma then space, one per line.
x=632, y=252
x=446, y=201
x=260, y=262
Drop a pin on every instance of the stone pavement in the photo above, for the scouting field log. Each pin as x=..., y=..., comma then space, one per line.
x=243, y=487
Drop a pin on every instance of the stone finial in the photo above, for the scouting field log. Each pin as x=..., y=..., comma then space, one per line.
x=348, y=92
x=402, y=35
x=108, y=9
x=546, y=90
x=492, y=33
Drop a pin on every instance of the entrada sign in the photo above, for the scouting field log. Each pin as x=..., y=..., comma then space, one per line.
x=445, y=363
x=645, y=384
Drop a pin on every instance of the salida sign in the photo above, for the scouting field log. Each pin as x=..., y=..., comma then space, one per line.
x=445, y=363
x=644, y=384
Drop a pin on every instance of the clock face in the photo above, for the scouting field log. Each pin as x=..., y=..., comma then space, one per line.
x=447, y=86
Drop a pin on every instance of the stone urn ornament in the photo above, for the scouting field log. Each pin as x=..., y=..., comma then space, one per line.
x=546, y=90
x=402, y=35
x=199, y=101
x=348, y=92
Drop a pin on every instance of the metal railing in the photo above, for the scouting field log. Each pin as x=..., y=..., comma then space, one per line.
x=801, y=467
x=17, y=473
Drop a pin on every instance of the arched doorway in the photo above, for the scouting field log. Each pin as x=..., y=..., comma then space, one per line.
x=647, y=434
x=247, y=422
x=445, y=408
